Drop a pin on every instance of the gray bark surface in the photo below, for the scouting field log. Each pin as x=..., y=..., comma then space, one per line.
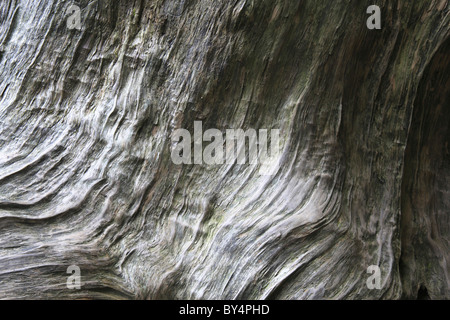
x=86, y=176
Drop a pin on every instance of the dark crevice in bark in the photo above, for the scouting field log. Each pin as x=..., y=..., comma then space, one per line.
x=423, y=293
x=424, y=197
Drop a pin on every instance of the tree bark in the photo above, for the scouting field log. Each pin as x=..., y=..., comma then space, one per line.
x=86, y=177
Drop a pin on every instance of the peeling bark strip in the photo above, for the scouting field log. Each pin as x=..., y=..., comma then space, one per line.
x=86, y=177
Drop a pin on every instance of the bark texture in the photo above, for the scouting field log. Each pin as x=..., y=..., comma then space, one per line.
x=86, y=176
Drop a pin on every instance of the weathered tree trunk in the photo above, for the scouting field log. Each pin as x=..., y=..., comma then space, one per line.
x=86, y=177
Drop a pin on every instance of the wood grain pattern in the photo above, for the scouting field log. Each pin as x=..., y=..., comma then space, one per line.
x=86, y=177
